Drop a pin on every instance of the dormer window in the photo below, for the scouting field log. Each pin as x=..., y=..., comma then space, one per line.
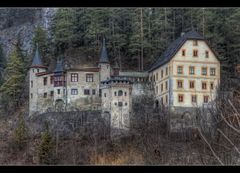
x=183, y=52
x=195, y=42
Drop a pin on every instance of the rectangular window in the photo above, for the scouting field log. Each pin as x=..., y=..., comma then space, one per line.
x=195, y=42
x=166, y=71
x=86, y=92
x=212, y=71
x=194, y=99
x=157, y=77
x=204, y=85
x=180, y=98
x=31, y=83
x=74, y=77
x=205, y=99
x=161, y=87
x=191, y=84
x=183, y=52
x=161, y=73
x=45, y=95
x=195, y=53
x=180, y=69
x=51, y=79
x=74, y=91
x=204, y=71
x=115, y=93
x=156, y=89
x=161, y=100
x=105, y=95
x=93, y=92
x=120, y=104
x=211, y=86
x=31, y=95
x=58, y=91
x=166, y=99
x=179, y=83
x=191, y=70
x=206, y=54
x=166, y=85
x=51, y=93
x=89, y=77
x=45, y=81
x=125, y=93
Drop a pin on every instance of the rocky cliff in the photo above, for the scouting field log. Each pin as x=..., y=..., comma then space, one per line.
x=19, y=23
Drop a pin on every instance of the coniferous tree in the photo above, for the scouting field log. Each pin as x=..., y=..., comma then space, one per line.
x=21, y=133
x=14, y=75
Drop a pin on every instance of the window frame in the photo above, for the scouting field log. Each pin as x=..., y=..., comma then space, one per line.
x=45, y=81
x=206, y=54
x=179, y=67
x=195, y=51
x=74, y=77
x=89, y=77
x=74, y=93
x=191, y=81
x=183, y=52
x=180, y=80
x=86, y=91
x=202, y=71
x=212, y=74
x=191, y=67
x=203, y=85
x=195, y=42
x=179, y=96
x=194, y=96
x=205, y=96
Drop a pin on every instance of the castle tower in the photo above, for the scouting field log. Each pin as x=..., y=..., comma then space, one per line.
x=117, y=101
x=116, y=69
x=104, y=64
x=35, y=68
x=59, y=87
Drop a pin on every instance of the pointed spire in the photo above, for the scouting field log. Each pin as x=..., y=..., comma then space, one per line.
x=104, y=56
x=59, y=66
x=37, y=59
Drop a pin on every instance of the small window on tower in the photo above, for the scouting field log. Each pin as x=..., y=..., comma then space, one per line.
x=58, y=91
x=31, y=95
x=166, y=85
x=125, y=103
x=212, y=86
x=93, y=92
x=120, y=93
x=120, y=104
x=115, y=93
x=45, y=95
x=31, y=83
x=125, y=93
x=105, y=95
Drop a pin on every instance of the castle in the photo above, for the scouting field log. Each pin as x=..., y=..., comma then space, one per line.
x=187, y=75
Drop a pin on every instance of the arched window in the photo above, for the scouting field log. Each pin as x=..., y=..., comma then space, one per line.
x=120, y=93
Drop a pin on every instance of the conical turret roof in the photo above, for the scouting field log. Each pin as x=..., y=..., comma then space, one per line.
x=104, y=56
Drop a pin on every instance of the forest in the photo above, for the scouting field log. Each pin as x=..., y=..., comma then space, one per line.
x=135, y=38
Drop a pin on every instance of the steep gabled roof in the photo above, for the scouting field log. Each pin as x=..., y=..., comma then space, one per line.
x=104, y=56
x=37, y=59
x=174, y=47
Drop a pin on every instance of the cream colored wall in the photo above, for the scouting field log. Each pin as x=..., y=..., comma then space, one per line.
x=159, y=81
x=198, y=63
